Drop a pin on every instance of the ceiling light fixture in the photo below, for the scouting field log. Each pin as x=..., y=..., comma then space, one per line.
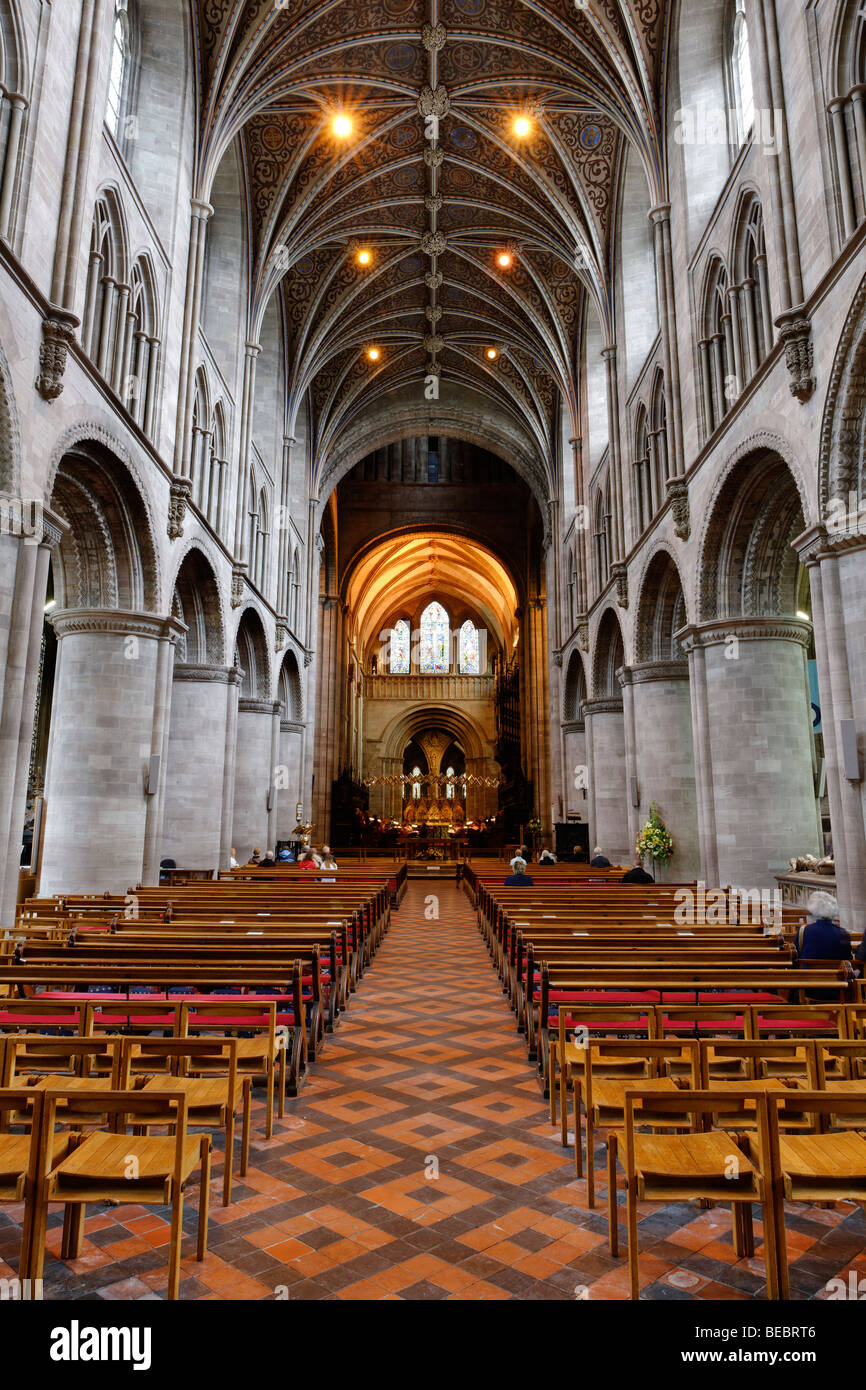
x=365, y=257
x=492, y=354
x=522, y=126
x=373, y=354
x=505, y=260
x=341, y=126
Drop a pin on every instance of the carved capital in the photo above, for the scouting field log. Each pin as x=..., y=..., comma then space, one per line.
x=678, y=495
x=179, y=495
x=795, y=332
x=282, y=635
x=619, y=573
x=58, y=332
x=722, y=631
x=308, y=659
x=239, y=576
x=583, y=637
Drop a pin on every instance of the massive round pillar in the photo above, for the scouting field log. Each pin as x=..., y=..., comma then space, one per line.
x=754, y=765
x=664, y=759
x=605, y=743
x=253, y=775
x=104, y=788
x=192, y=826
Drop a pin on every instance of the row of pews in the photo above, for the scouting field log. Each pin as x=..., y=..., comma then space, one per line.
x=123, y=1016
x=707, y=1061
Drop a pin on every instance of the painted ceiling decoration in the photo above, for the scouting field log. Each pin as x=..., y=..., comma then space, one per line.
x=434, y=184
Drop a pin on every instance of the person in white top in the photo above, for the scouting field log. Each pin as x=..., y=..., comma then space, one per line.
x=328, y=861
x=233, y=863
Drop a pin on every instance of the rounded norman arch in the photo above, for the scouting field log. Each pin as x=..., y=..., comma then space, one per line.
x=842, y=458
x=661, y=610
x=196, y=601
x=574, y=690
x=747, y=564
x=290, y=689
x=108, y=557
x=608, y=657
x=252, y=657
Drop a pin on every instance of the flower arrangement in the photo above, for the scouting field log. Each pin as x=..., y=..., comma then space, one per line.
x=534, y=826
x=654, y=841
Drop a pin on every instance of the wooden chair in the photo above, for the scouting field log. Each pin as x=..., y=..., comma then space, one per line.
x=261, y=1054
x=819, y=1166
x=212, y=1101
x=604, y=1099
x=121, y=1167
x=19, y=1157
x=576, y=1025
x=700, y=1165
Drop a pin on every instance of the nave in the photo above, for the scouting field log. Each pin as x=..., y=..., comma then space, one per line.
x=427, y=1073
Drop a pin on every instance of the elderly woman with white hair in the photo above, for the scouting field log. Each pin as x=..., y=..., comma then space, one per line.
x=822, y=938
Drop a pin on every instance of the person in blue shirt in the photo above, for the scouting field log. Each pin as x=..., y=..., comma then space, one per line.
x=520, y=878
x=822, y=938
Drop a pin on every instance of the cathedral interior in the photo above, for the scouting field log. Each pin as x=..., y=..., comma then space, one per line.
x=429, y=428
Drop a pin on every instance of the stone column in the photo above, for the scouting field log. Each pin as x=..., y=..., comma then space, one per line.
x=17, y=107
x=839, y=608
x=26, y=564
x=200, y=212
x=576, y=790
x=665, y=758
x=291, y=757
x=327, y=731
x=703, y=761
x=837, y=110
x=196, y=765
x=605, y=741
x=275, y=793
x=154, y=818
x=609, y=355
x=251, y=355
x=537, y=709
x=253, y=774
x=757, y=743
x=233, y=687
x=667, y=311
x=106, y=701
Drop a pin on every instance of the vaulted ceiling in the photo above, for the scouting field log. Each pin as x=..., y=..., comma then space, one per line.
x=435, y=183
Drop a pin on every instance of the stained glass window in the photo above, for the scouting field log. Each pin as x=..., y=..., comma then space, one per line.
x=743, y=71
x=400, y=644
x=470, y=660
x=435, y=640
x=416, y=786
x=117, y=74
x=449, y=785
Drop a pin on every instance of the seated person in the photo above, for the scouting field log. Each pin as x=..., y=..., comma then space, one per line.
x=268, y=858
x=328, y=860
x=255, y=859
x=285, y=856
x=520, y=878
x=638, y=874
x=307, y=859
x=822, y=938
x=547, y=856
x=598, y=860
x=233, y=859
x=579, y=854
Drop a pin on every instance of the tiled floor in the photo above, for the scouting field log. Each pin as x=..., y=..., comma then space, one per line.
x=419, y=1163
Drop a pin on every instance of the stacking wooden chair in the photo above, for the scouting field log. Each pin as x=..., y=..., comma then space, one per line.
x=576, y=1025
x=84, y=1065
x=121, y=1167
x=145, y=1015
x=261, y=1052
x=828, y=1164
x=702, y=1164
x=840, y=1068
x=19, y=1156
x=154, y=1064
x=604, y=1098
